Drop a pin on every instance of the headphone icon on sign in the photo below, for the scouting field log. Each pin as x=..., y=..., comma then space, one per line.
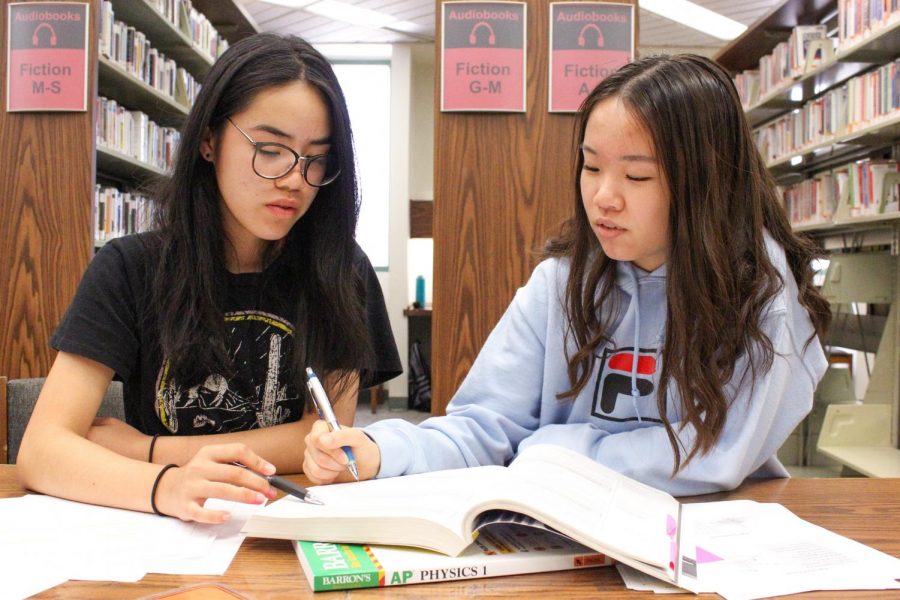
x=473, y=39
x=34, y=37
x=582, y=41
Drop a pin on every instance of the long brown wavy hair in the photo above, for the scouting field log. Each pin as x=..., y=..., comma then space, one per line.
x=719, y=275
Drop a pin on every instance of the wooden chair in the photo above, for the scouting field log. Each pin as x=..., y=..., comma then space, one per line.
x=17, y=400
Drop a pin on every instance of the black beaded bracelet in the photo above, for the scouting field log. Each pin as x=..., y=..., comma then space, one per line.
x=156, y=485
x=152, y=443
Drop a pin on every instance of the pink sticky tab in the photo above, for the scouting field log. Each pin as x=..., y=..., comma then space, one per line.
x=705, y=556
x=670, y=525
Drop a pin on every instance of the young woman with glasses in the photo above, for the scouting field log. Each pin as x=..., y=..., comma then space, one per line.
x=251, y=275
x=672, y=333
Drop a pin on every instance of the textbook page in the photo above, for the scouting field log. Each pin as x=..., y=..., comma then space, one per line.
x=635, y=523
x=428, y=510
x=743, y=549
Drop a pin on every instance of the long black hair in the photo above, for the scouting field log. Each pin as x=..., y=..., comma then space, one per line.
x=720, y=277
x=318, y=254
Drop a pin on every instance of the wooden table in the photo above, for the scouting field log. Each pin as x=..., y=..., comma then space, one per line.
x=867, y=510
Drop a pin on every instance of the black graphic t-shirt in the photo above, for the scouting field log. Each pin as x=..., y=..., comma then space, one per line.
x=106, y=322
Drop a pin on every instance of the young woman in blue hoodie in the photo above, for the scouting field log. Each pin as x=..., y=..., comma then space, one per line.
x=672, y=333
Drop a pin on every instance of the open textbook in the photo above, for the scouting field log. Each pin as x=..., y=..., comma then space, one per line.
x=690, y=546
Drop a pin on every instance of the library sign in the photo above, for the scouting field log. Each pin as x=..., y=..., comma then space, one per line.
x=588, y=42
x=47, y=49
x=483, y=56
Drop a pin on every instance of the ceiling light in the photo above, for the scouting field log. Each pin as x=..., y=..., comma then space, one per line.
x=408, y=27
x=695, y=17
x=355, y=15
x=290, y=3
x=355, y=51
x=340, y=11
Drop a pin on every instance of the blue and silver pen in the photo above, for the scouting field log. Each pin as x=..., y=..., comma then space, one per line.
x=323, y=407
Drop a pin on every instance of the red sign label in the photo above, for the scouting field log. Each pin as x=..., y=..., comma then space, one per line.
x=588, y=41
x=483, y=56
x=47, y=68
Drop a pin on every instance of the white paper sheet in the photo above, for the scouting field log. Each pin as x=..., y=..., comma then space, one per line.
x=641, y=582
x=745, y=550
x=45, y=541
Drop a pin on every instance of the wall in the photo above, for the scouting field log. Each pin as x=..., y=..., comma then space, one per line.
x=412, y=160
x=421, y=135
x=421, y=164
x=398, y=222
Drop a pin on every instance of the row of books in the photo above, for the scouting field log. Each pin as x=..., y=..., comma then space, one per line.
x=133, y=133
x=130, y=49
x=857, y=19
x=193, y=23
x=787, y=60
x=118, y=213
x=851, y=191
x=861, y=102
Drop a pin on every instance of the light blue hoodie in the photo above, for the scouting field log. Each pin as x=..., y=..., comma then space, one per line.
x=509, y=401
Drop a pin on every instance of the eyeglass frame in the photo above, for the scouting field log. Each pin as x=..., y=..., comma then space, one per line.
x=297, y=158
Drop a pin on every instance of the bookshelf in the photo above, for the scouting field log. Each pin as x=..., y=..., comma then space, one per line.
x=116, y=82
x=880, y=47
x=53, y=162
x=175, y=42
x=863, y=244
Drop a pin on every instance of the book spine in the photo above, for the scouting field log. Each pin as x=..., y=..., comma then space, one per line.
x=348, y=581
x=337, y=566
x=330, y=567
x=387, y=578
x=480, y=569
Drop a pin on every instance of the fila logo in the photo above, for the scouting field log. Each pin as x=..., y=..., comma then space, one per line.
x=614, y=380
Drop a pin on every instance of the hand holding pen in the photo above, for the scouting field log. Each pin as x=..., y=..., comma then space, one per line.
x=181, y=491
x=323, y=407
x=324, y=459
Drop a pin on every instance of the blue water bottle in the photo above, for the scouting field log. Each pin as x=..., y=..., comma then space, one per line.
x=420, y=291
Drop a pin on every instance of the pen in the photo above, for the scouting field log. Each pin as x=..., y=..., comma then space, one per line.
x=288, y=487
x=323, y=406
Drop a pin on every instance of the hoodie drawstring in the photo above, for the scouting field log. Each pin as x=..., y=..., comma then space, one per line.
x=635, y=351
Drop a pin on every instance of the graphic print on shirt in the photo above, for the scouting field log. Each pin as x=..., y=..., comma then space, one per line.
x=255, y=396
x=612, y=390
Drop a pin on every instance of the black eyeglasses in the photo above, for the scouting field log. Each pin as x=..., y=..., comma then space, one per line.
x=272, y=160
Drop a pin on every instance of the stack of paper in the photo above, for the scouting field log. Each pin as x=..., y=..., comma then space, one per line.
x=82, y=541
x=744, y=549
